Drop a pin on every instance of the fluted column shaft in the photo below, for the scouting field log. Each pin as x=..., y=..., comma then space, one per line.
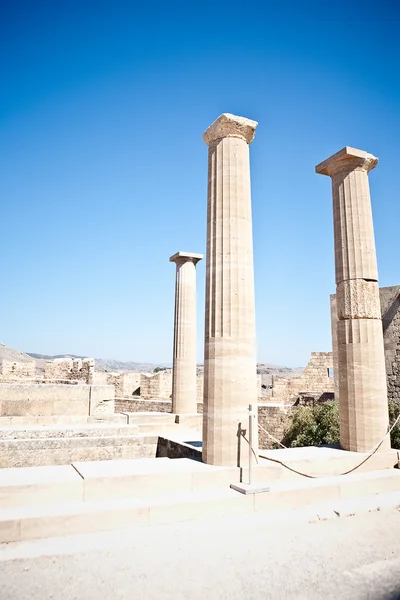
x=230, y=380
x=361, y=360
x=184, y=393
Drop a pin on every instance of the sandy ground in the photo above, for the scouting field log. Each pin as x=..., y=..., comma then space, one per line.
x=244, y=557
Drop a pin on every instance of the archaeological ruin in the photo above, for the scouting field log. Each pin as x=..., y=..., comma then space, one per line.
x=184, y=392
x=362, y=388
x=85, y=450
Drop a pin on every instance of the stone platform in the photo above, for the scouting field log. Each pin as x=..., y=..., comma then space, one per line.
x=121, y=436
x=324, y=461
x=39, y=502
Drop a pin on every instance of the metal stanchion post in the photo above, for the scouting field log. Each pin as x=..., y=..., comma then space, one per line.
x=250, y=441
x=249, y=488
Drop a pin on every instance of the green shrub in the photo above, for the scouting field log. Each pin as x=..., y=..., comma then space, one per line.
x=394, y=411
x=313, y=426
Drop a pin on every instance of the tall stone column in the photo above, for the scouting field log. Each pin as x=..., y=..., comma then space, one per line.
x=230, y=379
x=184, y=393
x=361, y=360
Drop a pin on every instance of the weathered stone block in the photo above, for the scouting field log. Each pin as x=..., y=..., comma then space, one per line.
x=358, y=299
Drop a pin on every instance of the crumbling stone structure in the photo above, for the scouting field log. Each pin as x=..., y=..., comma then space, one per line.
x=316, y=381
x=390, y=311
x=70, y=369
x=126, y=384
x=156, y=385
x=17, y=370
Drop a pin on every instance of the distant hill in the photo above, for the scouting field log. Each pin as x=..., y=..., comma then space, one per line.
x=102, y=364
x=10, y=354
x=110, y=364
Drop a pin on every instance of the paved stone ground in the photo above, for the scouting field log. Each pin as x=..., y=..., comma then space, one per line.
x=349, y=558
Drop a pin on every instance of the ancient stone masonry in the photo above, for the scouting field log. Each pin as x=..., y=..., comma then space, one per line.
x=390, y=308
x=17, y=370
x=390, y=312
x=315, y=382
x=49, y=403
x=139, y=405
x=70, y=369
x=273, y=419
x=361, y=362
x=157, y=385
x=184, y=398
x=230, y=377
x=126, y=384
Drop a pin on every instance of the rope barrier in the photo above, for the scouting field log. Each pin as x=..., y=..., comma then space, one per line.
x=370, y=453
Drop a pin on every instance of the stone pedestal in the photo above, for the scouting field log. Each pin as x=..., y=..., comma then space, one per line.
x=361, y=361
x=184, y=393
x=230, y=379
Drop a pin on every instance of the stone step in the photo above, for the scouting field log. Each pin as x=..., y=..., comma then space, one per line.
x=61, y=420
x=325, y=461
x=100, y=480
x=150, y=417
x=33, y=522
x=69, y=431
x=145, y=418
x=26, y=420
x=62, y=451
x=323, y=498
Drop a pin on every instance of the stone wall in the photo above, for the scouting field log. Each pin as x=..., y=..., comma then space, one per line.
x=50, y=400
x=130, y=405
x=156, y=385
x=126, y=384
x=273, y=419
x=17, y=370
x=390, y=311
x=316, y=380
x=72, y=369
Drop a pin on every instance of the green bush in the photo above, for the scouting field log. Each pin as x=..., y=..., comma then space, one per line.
x=394, y=411
x=313, y=426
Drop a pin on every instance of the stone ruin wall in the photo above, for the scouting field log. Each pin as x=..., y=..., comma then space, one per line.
x=10, y=370
x=315, y=382
x=156, y=385
x=70, y=369
x=390, y=311
x=126, y=384
x=274, y=420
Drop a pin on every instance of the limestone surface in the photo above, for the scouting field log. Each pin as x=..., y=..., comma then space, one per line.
x=184, y=392
x=361, y=378
x=230, y=379
x=358, y=299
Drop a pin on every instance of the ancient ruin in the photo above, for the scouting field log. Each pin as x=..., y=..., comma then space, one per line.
x=184, y=392
x=390, y=314
x=105, y=441
x=230, y=382
x=361, y=362
x=72, y=369
x=315, y=384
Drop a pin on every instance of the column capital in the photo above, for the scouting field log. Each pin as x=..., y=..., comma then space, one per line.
x=228, y=125
x=182, y=257
x=346, y=160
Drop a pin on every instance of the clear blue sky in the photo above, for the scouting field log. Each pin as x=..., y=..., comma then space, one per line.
x=104, y=173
